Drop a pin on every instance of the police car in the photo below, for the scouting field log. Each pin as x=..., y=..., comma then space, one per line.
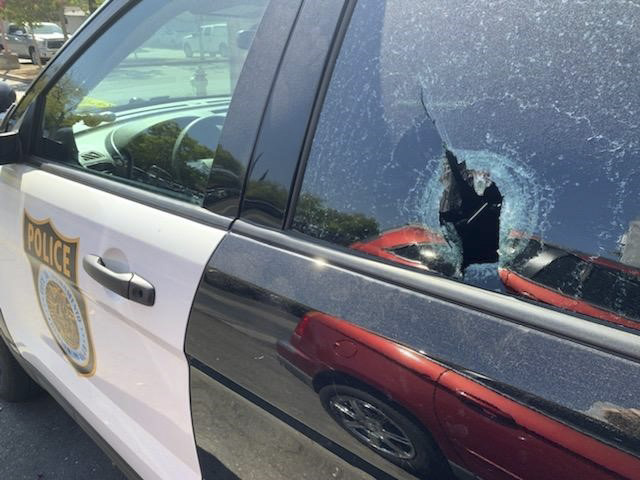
x=289, y=261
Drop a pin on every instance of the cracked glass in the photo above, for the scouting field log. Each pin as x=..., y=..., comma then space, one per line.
x=494, y=143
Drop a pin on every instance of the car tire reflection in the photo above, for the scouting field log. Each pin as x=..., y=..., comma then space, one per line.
x=382, y=427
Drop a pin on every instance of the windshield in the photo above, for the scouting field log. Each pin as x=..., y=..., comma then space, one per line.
x=47, y=28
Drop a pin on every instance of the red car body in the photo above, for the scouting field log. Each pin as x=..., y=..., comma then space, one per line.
x=487, y=433
x=387, y=244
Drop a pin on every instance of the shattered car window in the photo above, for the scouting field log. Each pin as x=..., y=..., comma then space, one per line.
x=495, y=144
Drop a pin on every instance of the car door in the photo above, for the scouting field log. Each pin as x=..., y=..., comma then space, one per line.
x=353, y=216
x=106, y=225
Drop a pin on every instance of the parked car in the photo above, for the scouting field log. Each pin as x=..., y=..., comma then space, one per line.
x=212, y=40
x=45, y=40
x=339, y=190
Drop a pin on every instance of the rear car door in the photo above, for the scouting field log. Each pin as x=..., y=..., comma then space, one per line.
x=105, y=221
x=386, y=194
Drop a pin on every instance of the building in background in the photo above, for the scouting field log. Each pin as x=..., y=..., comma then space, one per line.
x=631, y=245
x=74, y=17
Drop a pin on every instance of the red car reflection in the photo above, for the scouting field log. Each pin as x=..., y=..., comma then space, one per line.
x=407, y=245
x=413, y=246
x=418, y=413
x=587, y=284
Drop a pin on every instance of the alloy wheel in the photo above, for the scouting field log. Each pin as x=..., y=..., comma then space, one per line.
x=372, y=426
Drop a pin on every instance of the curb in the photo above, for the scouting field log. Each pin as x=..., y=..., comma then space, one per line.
x=15, y=78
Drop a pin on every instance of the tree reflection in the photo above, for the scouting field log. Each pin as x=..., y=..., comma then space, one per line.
x=626, y=420
x=314, y=218
x=60, y=108
x=152, y=152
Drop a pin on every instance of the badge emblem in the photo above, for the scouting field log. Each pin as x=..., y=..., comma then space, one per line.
x=54, y=262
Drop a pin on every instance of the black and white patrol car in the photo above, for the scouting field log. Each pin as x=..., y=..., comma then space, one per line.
x=302, y=258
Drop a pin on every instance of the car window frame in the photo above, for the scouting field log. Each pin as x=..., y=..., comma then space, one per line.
x=91, y=31
x=273, y=143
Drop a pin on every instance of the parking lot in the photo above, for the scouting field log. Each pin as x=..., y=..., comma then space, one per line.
x=39, y=441
x=20, y=79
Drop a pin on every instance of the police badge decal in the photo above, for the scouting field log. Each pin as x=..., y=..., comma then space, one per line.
x=54, y=264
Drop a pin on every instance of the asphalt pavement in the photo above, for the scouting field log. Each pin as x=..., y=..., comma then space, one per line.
x=39, y=441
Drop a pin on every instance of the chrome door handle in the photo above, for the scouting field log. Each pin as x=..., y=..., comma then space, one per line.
x=127, y=285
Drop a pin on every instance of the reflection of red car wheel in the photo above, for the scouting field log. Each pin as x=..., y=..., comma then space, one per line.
x=384, y=429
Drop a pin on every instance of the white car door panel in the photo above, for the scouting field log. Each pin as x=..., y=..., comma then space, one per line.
x=136, y=395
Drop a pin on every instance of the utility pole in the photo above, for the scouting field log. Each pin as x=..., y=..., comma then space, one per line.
x=63, y=20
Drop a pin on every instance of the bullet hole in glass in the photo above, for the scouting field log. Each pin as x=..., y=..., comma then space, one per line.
x=470, y=209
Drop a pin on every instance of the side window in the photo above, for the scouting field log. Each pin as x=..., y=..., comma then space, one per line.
x=146, y=103
x=18, y=30
x=476, y=156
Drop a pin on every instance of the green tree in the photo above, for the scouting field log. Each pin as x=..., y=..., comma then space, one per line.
x=88, y=6
x=61, y=105
x=30, y=13
x=319, y=220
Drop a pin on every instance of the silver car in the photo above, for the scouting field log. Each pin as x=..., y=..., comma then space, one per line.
x=46, y=39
